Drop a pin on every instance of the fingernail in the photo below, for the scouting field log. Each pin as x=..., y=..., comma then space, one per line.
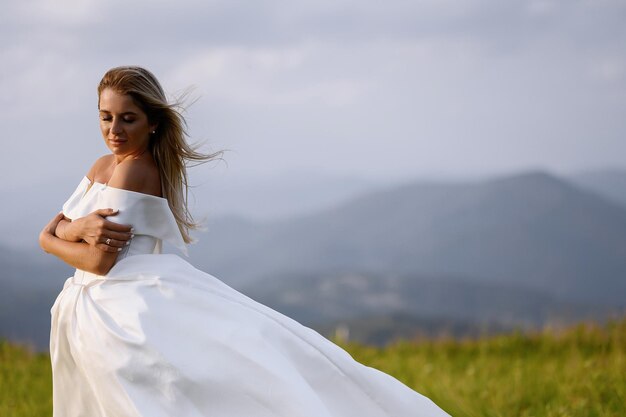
x=127, y=242
x=119, y=249
x=132, y=236
x=132, y=229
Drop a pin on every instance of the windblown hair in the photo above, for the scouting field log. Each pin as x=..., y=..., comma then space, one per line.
x=168, y=144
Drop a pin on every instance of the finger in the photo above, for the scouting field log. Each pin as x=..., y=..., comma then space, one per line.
x=107, y=248
x=107, y=212
x=117, y=235
x=114, y=243
x=116, y=227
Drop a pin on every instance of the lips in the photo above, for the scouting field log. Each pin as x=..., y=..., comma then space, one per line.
x=117, y=141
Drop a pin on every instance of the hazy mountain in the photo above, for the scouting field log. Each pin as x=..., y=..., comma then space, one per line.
x=277, y=196
x=610, y=183
x=532, y=231
x=511, y=251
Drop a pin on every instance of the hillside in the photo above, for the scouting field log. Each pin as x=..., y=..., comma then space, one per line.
x=377, y=309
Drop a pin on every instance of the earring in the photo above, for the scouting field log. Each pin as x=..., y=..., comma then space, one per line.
x=153, y=132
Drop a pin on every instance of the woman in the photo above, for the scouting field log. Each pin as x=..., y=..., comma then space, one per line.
x=140, y=333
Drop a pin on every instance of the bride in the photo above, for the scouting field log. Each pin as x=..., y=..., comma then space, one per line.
x=140, y=333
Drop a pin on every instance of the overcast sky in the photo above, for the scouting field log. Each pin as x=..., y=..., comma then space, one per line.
x=389, y=89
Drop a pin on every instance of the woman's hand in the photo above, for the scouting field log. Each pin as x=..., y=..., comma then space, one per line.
x=99, y=232
x=80, y=255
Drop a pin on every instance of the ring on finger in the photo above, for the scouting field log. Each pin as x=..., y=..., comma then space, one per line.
x=108, y=241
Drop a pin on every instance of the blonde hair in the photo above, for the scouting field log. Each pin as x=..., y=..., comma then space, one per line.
x=168, y=145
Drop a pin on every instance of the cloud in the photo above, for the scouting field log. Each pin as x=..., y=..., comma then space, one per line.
x=268, y=76
x=57, y=12
x=432, y=85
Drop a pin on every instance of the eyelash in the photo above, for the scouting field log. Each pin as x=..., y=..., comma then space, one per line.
x=108, y=119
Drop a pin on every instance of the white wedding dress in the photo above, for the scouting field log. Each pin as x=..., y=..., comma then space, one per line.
x=156, y=337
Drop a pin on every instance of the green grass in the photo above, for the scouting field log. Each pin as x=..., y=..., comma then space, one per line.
x=577, y=372
x=25, y=382
x=580, y=371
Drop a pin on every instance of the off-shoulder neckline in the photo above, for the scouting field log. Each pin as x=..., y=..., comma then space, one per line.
x=122, y=189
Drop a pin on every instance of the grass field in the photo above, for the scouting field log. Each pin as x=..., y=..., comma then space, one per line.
x=580, y=371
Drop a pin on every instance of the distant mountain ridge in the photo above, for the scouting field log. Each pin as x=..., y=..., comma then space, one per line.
x=531, y=230
x=516, y=250
x=610, y=183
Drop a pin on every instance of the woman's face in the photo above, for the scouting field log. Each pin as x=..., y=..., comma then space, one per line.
x=125, y=127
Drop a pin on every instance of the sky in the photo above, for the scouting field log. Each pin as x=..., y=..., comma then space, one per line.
x=394, y=89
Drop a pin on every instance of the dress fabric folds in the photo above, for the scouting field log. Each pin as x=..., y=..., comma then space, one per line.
x=156, y=337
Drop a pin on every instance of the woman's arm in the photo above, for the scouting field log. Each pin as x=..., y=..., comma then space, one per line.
x=93, y=254
x=80, y=255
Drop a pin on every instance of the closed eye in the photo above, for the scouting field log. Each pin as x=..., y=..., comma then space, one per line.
x=109, y=118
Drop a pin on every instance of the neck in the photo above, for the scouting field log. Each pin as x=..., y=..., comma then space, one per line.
x=133, y=155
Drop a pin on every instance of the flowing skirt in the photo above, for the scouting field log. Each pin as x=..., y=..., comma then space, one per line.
x=157, y=337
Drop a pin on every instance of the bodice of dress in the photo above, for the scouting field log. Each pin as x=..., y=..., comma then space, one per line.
x=150, y=216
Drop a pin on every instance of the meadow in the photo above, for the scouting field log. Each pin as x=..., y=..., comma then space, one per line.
x=579, y=371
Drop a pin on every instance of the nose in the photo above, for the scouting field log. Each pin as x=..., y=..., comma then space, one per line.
x=116, y=126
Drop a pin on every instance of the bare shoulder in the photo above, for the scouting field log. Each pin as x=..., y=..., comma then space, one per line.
x=140, y=175
x=99, y=167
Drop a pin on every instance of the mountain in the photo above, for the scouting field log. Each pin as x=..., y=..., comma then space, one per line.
x=517, y=250
x=610, y=183
x=276, y=196
x=531, y=230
